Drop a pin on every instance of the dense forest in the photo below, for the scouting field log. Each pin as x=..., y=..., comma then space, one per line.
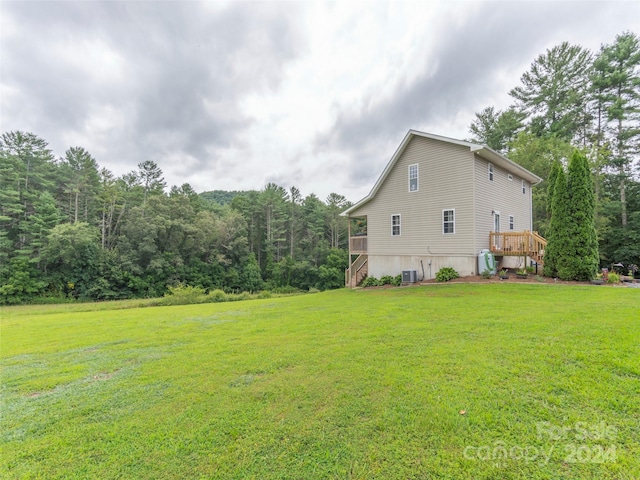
x=69, y=228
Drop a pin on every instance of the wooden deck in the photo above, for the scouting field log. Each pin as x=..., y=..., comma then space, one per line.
x=518, y=244
x=358, y=244
x=359, y=268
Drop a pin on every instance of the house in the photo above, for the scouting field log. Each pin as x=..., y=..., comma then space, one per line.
x=438, y=203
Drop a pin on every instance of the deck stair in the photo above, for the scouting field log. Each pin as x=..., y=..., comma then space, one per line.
x=357, y=271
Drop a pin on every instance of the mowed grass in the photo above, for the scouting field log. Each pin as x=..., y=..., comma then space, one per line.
x=342, y=384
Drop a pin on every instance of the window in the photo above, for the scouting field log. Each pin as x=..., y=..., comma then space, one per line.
x=524, y=187
x=510, y=177
x=491, y=172
x=511, y=223
x=448, y=221
x=395, y=225
x=413, y=178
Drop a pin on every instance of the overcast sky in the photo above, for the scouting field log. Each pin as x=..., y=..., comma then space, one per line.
x=234, y=95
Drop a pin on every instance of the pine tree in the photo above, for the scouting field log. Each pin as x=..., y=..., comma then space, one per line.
x=336, y=225
x=553, y=91
x=81, y=184
x=44, y=218
x=150, y=175
x=582, y=230
x=496, y=128
x=617, y=84
x=295, y=224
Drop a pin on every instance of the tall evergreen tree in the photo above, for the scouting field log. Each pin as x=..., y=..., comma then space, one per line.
x=582, y=230
x=295, y=202
x=32, y=163
x=553, y=91
x=551, y=185
x=44, y=218
x=617, y=83
x=497, y=129
x=556, y=256
x=82, y=183
x=150, y=175
x=274, y=201
x=337, y=226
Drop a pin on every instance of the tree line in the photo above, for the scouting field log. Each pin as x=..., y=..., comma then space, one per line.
x=69, y=228
x=575, y=99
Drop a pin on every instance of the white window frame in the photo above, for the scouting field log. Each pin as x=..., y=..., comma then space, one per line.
x=491, y=171
x=497, y=239
x=510, y=177
x=524, y=188
x=453, y=222
x=417, y=178
x=399, y=225
x=512, y=223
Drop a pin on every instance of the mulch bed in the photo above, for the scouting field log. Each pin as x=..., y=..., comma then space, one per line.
x=512, y=279
x=532, y=278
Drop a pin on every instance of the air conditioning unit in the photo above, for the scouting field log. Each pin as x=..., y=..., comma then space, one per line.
x=409, y=276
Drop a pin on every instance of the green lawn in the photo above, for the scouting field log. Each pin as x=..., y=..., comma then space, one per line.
x=342, y=384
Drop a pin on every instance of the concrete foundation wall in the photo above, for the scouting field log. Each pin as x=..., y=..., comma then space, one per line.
x=381, y=265
x=510, y=262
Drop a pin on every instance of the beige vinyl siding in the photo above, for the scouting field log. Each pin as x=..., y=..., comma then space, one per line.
x=445, y=181
x=501, y=195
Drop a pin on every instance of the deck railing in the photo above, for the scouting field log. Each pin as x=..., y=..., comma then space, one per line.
x=356, y=271
x=358, y=245
x=525, y=243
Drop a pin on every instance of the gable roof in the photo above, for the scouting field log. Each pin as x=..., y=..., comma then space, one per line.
x=481, y=150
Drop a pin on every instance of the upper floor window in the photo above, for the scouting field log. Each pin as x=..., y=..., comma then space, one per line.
x=449, y=221
x=491, y=172
x=413, y=178
x=524, y=187
x=510, y=177
x=395, y=225
x=511, y=222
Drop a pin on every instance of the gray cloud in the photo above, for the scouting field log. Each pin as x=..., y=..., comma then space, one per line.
x=176, y=72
